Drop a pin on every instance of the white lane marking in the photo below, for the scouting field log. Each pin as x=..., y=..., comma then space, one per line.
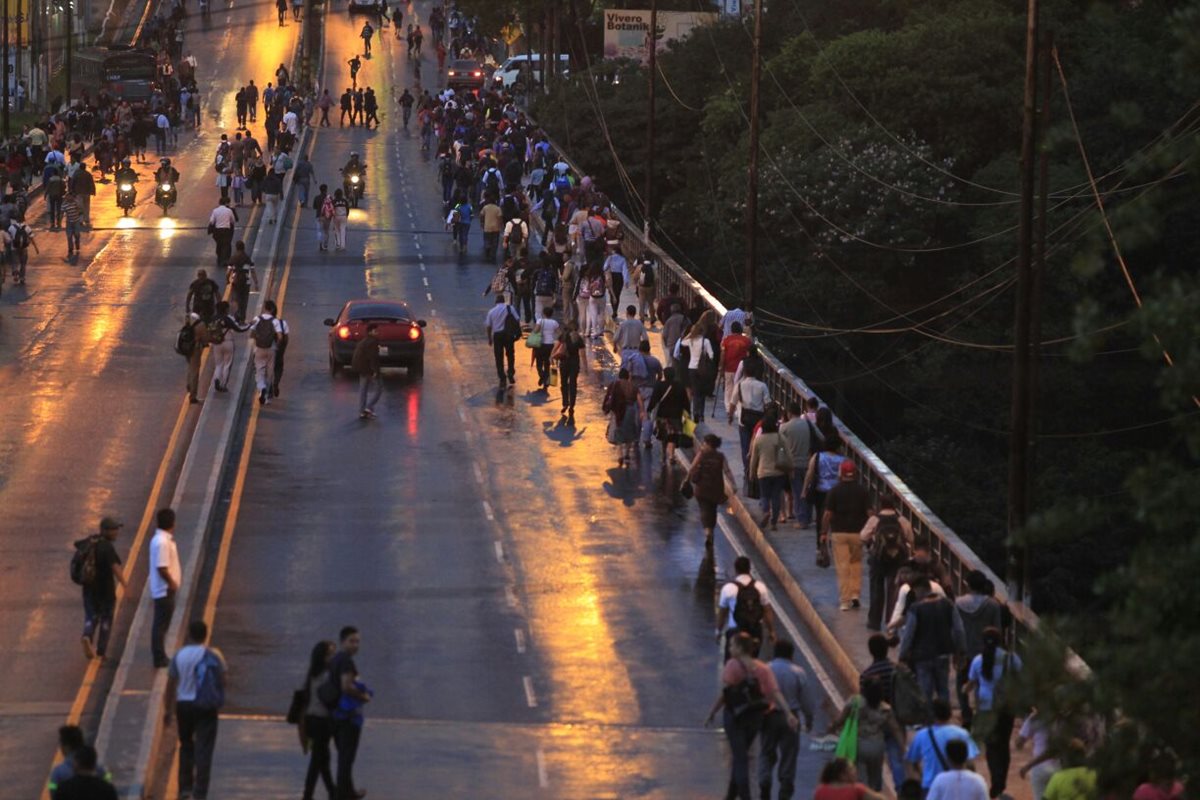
x=416, y=243
x=433, y=312
x=499, y=551
x=519, y=635
x=411, y=215
x=487, y=511
x=530, y=697
x=429, y=297
x=462, y=413
x=510, y=597
x=422, y=270
x=826, y=683
x=478, y=474
x=425, y=280
x=543, y=777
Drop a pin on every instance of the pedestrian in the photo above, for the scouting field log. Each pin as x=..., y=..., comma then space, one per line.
x=888, y=539
x=846, y=511
x=370, y=108
x=351, y=695
x=979, y=611
x=744, y=606
x=70, y=742
x=624, y=403
x=365, y=362
x=302, y=178
x=957, y=782
x=751, y=396
x=73, y=215
x=770, y=465
x=571, y=354
x=264, y=332
x=932, y=633
x=195, y=690
x=162, y=128
x=221, y=343
x=324, y=211
x=839, y=781
x=987, y=676
x=20, y=238
x=1075, y=780
x=547, y=330
x=616, y=268
x=502, y=336
x=202, y=296
x=165, y=575
x=673, y=328
x=406, y=100
x=644, y=278
x=734, y=348
x=820, y=477
x=316, y=726
x=668, y=403
x=100, y=587
x=592, y=292
x=324, y=104
x=199, y=342
x=800, y=437
x=707, y=475
x=241, y=276
x=780, y=742
x=272, y=190
x=516, y=238
x=221, y=224
x=876, y=723
x=630, y=333
x=346, y=102
x=645, y=370
x=86, y=782
x=56, y=188
x=748, y=694
x=1043, y=762
x=281, y=343
x=882, y=670
x=491, y=220
x=341, y=215
x=83, y=186
x=694, y=353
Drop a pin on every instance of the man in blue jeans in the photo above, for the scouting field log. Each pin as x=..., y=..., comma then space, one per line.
x=932, y=633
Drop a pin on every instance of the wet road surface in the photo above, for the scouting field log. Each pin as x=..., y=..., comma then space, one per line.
x=534, y=621
x=91, y=392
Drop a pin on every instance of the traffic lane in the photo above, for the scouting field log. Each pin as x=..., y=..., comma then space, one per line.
x=91, y=390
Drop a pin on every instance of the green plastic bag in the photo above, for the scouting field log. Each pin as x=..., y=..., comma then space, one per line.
x=847, y=746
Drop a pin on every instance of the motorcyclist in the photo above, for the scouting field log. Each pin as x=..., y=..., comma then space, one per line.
x=125, y=174
x=166, y=173
x=355, y=167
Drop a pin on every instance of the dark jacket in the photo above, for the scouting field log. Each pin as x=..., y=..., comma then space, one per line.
x=932, y=629
x=366, y=357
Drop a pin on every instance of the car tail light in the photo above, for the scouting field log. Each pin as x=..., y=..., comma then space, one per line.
x=344, y=332
x=478, y=74
x=414, y=333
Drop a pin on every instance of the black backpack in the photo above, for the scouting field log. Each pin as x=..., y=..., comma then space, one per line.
x=185, y=341
x=21, y=237
x=264, y=332
x=509, y=207
x=890, y=546
x=83, y=561
x=646, y=277
x=748, y=609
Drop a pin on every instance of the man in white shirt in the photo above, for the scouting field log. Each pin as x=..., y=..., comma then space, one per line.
x=265, y=333
x=291, y=122
x=957, y=783
x=221, y=223
x=750, y=620
x=197, y=723
x=502, y=343
x=162, y=126
x=165, y=575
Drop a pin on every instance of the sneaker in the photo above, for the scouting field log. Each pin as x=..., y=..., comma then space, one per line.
x=362, y=415
x=89, y=650
x=845, y=606
x=370, y=413
x=854, y=603
x=275, y=390
x=262, y=397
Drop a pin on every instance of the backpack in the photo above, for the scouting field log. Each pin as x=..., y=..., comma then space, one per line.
x=517, y=235
x=83, y=561
x=744, y=697
x=890, y=547
x=217, y=330
x=908, y=701
x=491, y=181
x=327, y=208
x=827, y=470
x=562, y=185
x=748, y=608
x=512, y=325
x=264, y=332
x=185, y=341
x=543, y=284
x=20, y=239
x=596, y=287
x=509, y=207
x=646, y=276
x=210, y=682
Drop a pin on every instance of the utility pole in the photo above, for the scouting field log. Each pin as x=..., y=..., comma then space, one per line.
x=70, y=45
x=652, y=43
x=7, y=77
x=752, y=177
x=1019, y=444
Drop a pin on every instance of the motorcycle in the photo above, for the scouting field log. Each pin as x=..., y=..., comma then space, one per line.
x=126, y=197
x=164, y=196
x=353, y=185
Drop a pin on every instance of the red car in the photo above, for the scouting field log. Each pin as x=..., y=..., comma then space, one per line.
x=401, y=338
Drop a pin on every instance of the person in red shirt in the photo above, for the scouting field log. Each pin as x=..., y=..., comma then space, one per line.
x=748, y=693
x=734, y=348
x=839, y=781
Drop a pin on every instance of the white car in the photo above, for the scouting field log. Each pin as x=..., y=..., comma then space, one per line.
x=515, y=66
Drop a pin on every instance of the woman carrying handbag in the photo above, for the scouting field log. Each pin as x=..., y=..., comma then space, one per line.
x=313, y=722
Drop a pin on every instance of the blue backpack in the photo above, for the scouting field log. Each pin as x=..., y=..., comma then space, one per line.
x=210, y=682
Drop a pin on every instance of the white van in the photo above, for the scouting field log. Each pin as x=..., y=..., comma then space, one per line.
x=512, y=68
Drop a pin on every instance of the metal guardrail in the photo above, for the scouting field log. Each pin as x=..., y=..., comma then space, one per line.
x=945, y=545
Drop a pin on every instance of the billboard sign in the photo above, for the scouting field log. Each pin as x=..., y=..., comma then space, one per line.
x=626, y=33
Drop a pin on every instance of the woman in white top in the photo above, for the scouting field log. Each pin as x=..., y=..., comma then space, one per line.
x=751, y=396
x=698, y=346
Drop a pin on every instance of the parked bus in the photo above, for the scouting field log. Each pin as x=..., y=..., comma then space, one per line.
x=130, y=74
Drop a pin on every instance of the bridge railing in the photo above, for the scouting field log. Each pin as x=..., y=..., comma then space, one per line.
x=945, y=545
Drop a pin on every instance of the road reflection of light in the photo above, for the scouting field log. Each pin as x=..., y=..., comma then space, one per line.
x=359, y=215
x=126, y=223
x=413, y=418
x=167, y=228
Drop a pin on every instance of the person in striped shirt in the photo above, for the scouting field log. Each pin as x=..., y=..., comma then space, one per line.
x=74, y=217
x=882, y=670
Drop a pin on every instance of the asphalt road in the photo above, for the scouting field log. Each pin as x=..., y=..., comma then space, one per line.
x=535, y=621
x=91, y=392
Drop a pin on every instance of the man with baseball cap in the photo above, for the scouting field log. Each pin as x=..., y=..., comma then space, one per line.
x=847, y=508
x=100, y=595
